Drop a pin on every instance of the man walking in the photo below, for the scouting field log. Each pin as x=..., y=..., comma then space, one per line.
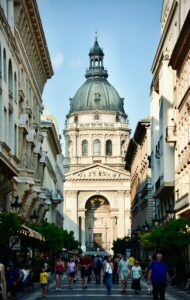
x=159, y=275
x=124, y=271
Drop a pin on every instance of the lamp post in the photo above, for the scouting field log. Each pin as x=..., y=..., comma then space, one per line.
x=16, y=205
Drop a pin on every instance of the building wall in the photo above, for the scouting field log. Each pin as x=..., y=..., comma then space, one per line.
x=90, y=176
x=162, y=109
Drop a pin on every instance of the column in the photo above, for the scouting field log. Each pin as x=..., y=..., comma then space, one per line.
x=83, y=234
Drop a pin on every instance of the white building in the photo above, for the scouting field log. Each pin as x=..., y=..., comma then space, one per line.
x=25, y=67
x=96, y=187
x=173, y=15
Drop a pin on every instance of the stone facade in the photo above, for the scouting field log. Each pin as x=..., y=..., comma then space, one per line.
x=25, y=67
x=162, y=108
x=138, y=163
x=96, y=187
x=53, y=171
x=179, y=133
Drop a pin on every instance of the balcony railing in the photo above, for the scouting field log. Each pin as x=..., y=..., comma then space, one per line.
x=171, y=134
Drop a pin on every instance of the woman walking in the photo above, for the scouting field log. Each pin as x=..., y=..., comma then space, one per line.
x=108, y=275
x=136, y=273
x=71, y=270
x=59, y=269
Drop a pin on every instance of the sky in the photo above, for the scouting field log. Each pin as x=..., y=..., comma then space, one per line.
x=128, y=32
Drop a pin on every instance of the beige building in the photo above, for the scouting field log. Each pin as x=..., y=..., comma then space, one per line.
x=162, y=114
x=25, y=67
x=138, y=163
x=179, y=132
x=52, y=190
x=96, y=187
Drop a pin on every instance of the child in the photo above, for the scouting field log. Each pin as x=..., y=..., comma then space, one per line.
x=43, y=281
x=136, y=277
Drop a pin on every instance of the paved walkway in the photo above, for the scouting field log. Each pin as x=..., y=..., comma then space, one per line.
x=94, y=292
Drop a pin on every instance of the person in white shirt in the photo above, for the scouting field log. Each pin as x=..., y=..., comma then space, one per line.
x=108, y=275
x=124, y=272
x=136, y=273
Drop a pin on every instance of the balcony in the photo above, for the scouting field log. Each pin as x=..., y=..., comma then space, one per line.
x=24, y=121
x=171, y=134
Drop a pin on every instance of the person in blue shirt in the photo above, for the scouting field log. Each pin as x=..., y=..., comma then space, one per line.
x=159, y=275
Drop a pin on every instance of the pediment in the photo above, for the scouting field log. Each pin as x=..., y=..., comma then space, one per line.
x=97, y=172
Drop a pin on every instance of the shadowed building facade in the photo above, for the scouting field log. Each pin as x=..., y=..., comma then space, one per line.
x=96, y=187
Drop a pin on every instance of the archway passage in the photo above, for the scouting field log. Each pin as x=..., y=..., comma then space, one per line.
x=97, y=222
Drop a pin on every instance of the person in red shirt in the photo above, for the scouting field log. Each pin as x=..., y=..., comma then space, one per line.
x=84, y=270
x=59, y=269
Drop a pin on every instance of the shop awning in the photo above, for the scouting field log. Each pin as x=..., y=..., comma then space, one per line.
x=31, y=233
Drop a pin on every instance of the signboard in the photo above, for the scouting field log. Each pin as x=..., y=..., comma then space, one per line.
x=128, y=252
x=14, y=242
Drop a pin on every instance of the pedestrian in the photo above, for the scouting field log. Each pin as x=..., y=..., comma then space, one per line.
x=98, y=268
x=150, y=260
x=84, y=271
x=3, y=286
x=59, y=269
x=136, y=273
x=43, y=281
x=159, y=276
x=124, y=272
x=115, y=270
x=71, y=270
x=108, y=275
x=13, y=278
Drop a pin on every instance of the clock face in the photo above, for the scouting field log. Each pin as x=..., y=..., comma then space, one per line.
x=96, y=202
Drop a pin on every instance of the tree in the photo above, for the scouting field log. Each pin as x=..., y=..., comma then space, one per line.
x=10, y=223
x=56, y=238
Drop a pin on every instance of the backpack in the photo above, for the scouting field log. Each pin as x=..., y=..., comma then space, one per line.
x=98, y=264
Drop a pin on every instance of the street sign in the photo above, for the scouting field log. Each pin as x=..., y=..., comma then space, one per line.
x=14, y=242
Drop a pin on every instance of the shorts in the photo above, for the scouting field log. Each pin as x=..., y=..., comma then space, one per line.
x=71, y=275
x=84, y=272
x=124, y=275
x=43, y=285
x=59, y=273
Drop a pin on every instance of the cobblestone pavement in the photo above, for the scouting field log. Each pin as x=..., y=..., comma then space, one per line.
x=94, y=292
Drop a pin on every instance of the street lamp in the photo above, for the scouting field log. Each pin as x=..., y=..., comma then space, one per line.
x=34, y=217
x=16, y=205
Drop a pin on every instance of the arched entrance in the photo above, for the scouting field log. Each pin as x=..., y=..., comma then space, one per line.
x=97, y=228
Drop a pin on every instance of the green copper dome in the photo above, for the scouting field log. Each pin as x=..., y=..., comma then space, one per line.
x=96, y=93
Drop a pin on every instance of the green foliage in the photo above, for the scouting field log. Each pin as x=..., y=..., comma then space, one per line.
x=120, y=245
x=56, y=238
x=9, y=225
x=171, y=235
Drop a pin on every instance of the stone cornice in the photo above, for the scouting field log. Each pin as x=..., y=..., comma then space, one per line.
x=163, y=37
x=35, y=20
x=181, y=48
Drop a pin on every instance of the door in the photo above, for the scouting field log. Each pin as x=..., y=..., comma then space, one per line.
x=97, y=240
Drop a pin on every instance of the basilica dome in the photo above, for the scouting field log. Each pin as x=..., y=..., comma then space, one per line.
x=96, y=93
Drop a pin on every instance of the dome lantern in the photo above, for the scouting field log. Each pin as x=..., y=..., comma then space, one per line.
x=96, y=55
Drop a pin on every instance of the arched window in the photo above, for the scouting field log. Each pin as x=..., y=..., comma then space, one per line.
x=84, y=148
x=108, y=148
x=10, y=80
x=97, y=147
x=15, y=87
x=4, y=65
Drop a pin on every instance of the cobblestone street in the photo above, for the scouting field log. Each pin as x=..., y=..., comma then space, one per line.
x=94, y=292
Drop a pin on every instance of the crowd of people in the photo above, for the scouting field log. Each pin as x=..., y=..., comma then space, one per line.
x=105, y=270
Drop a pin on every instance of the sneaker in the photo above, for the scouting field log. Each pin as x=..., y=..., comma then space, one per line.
x=57, y=289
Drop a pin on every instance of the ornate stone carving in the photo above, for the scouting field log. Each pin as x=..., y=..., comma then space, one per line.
x=98, y=173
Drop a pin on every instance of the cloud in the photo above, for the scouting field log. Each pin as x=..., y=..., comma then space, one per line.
x=75, y=63
x=57, y=61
